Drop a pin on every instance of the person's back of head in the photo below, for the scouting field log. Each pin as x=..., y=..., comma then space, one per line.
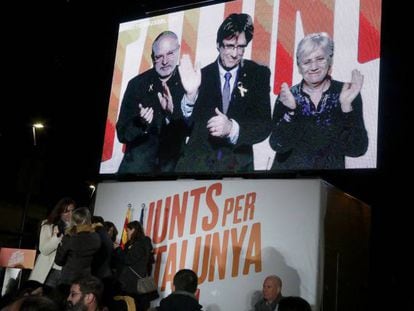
x=97, y=220
x=32, y=288
x=111, y=229
x=81, y=216
x=293, y=303
x=186, y=280
x=34, y=303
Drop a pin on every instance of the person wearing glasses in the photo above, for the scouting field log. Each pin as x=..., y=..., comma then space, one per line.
x=86, y=295
x=151, y=123
x=232, y=111
x=318, y=121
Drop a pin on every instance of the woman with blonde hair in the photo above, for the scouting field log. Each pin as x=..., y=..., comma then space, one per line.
x=78, y=247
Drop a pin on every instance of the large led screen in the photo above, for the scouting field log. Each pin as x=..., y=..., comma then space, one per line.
x=162, y=120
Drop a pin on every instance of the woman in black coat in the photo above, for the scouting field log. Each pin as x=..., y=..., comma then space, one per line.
x=136, y=258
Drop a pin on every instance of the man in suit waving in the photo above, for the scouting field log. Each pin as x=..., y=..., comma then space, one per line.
x=232, y=110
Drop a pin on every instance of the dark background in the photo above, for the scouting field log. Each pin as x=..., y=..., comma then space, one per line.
x=57, y=68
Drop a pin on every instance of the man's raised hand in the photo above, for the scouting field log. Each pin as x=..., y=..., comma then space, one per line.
x=190, y=76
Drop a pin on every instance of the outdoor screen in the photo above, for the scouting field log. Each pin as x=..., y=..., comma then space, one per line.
x=279, y=26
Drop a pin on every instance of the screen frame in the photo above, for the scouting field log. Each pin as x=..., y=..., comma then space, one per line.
x=342, y=75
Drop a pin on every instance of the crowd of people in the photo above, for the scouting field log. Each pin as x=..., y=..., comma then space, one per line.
x=80, y=266
x=177, y=118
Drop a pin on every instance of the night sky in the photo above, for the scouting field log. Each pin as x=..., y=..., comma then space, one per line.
x=57, y=68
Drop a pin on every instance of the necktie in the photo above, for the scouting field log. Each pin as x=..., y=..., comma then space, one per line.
x=226, y=92
x=226, y=101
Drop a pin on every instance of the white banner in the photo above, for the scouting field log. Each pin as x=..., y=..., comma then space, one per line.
x=233, y=233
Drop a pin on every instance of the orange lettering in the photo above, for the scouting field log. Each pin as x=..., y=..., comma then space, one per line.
x=170, y=265
x=219, y=255
x=157, y=236
x=228, y=208
x=254, y=250
x=249, y=206
x=178, y=215
x=237, y=245
x=237, y=208
x=196, y=193
x=211, y=204
x=204, y=265
x=150, y=219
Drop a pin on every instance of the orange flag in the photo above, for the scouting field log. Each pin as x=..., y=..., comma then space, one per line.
x=124, y=236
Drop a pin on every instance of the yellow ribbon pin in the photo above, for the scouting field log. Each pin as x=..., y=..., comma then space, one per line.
x=241, y=89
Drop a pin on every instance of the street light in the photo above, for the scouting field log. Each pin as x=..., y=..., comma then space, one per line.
x=34, y=127
x=92, y=187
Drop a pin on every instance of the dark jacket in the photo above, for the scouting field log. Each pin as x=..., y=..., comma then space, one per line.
x=262, y=304
x=154, y=147
x=249, y=107
x=317, y=138
x=101, y=265
x=136, y=256
x=76, y=252
x=179, y=301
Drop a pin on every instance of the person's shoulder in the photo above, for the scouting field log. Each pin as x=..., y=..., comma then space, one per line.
x=146, y=75
x=295, y=89
x=180, y=299
x=250, y=65
x=148, y=240
x=210, y=67
x=45, y=222
x=259, y=303
x=335, y=86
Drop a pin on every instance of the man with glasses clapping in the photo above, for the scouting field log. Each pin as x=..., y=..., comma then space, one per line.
x=151, y=123
x=232, y=111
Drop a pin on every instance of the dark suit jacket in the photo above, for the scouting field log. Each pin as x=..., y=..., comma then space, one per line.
x=179, y=301
x=155, y=147
x=250, y=109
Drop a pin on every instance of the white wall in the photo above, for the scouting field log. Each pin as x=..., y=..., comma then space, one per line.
x=277, y=224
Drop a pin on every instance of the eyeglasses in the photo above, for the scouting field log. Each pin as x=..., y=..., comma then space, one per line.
x=74, y=294
x=169, y=55
x=319, y=61
x=232, y=47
